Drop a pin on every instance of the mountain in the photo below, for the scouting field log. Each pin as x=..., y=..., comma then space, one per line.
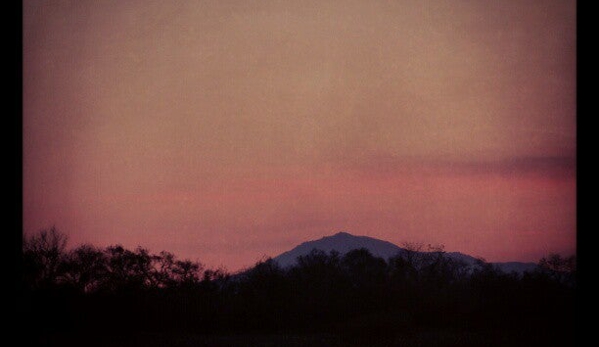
x=344, y=242
x=341, y=242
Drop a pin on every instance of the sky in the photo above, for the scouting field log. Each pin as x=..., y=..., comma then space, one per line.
x=225, y=131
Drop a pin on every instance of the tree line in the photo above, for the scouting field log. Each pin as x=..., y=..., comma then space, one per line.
x=356, y=295
x=88, y=269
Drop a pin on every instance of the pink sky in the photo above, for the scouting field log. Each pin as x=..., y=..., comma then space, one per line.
x=224, y=131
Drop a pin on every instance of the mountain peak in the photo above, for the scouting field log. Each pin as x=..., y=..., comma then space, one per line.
x=342, y=234
x=344, y=242
x=341, y=242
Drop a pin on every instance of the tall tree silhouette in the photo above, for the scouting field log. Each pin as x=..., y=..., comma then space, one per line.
x=43, y=257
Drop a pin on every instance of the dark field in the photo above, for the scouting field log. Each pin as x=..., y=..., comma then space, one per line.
x=422, y=338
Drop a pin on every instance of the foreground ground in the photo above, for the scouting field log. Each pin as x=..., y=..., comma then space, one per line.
x=423, y=338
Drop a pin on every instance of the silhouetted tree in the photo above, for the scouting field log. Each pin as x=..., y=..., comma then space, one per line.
x=186, y=272
x=86, y=268
x=163, y=275
x=43, y=257
x=364, y=270
x=402, y=271
x=217, y=275
x=413, y=254
x=559, y=268
x=128, y=270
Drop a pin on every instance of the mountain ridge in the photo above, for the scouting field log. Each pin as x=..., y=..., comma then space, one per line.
x=344, y=242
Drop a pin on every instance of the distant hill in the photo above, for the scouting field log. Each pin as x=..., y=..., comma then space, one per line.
x=344, y=242
x=341, y=242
